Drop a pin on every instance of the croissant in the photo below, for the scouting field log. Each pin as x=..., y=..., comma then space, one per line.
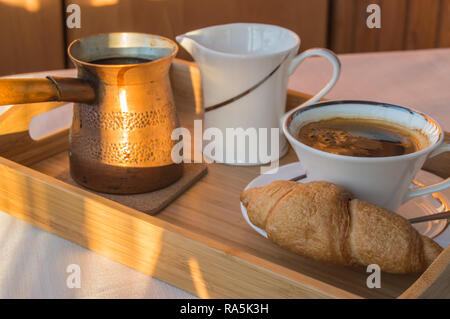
x=321, y=220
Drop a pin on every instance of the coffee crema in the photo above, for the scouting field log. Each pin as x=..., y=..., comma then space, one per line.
x=120, y=60
x=361, y=137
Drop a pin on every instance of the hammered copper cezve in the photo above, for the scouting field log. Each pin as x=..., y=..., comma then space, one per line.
x=120, y=138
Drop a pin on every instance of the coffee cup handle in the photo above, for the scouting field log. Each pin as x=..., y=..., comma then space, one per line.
x=425, y=190
x=330, y=56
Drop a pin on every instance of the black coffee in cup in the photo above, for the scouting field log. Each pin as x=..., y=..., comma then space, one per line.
x=361, y=137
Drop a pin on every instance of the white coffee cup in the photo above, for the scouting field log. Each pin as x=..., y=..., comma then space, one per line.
x=245, y=69
x=384, y=181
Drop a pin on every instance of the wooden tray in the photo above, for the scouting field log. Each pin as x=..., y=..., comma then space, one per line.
x=200, y=242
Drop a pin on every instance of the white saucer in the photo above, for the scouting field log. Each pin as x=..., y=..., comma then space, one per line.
x=420, y=206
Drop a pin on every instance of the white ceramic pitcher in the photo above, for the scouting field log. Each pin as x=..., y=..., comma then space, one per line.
x=245, y=70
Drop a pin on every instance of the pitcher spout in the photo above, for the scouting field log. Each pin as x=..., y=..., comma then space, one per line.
x=189, y=44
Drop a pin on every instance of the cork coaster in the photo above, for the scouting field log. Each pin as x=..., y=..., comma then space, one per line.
x=152, y=202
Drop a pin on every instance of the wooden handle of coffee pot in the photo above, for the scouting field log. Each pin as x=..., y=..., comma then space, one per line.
x=19, y=91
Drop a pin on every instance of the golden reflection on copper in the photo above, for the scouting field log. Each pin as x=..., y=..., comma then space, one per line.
x=124, y=108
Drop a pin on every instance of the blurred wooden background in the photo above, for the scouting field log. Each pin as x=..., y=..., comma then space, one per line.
x=33, y=35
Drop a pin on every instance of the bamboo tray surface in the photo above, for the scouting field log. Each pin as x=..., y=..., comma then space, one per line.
x=211, y=209
x=200, y=242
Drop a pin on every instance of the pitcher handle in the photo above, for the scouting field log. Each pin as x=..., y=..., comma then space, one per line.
x=425, y=190
x=330, y=56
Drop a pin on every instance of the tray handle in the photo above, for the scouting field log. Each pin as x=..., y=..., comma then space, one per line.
x=434, y=282
x=15, y=141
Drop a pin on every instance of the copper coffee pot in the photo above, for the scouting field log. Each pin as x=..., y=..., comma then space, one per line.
x=123, y=115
